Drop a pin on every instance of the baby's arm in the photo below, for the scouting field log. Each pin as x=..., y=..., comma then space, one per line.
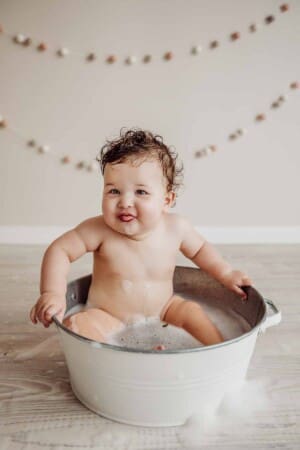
x=86, y=237
x=204, y=255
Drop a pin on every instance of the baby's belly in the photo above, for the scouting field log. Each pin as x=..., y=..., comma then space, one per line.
x=126, y=299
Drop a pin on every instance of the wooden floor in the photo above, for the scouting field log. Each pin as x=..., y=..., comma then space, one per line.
x=38, y=409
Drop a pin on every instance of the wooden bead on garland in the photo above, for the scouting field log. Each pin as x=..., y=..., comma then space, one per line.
x=279, y=101
x=275, y=105
x=235, y=36
x=42, y=47
x=81, y=165
x=260, y=117
x=63, y=52
x=66, y=160
x=253, y=28
x=205, y=151
x=269, y=19
x=147, y=58
x=168, y=56
x=196, y=50
x=295, y=85
x=27, y=42
x=93, y=166
x=19, y=38
x=111, y=59
x=214, y=44
x=91, y=57
x=199, y=154
x=238, y=133
x=284, y=7
x=282, y=99
x=31, y=143
x=130, y=60
x=3, y=123
x=44, y=149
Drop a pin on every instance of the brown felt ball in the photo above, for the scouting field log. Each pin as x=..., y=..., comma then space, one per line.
x=111, y=59
x=42, y=47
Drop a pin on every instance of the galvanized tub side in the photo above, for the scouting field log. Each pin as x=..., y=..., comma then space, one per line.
x=154, y=388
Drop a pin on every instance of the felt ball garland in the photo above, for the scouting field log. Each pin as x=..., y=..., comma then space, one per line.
x=168, y=56
x=92, y=166
x=258, y=118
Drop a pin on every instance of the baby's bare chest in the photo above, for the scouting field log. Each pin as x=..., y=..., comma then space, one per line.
x=151, y=259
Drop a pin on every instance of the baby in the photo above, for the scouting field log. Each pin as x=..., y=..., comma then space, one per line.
x=134, y=244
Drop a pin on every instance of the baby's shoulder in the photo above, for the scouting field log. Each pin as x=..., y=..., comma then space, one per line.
x=176, y=223
x=92, y=231
x=92, y=224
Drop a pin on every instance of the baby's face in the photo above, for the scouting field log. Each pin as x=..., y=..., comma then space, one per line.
x=134, y=197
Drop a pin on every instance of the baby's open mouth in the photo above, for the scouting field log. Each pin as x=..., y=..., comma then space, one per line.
x=126, y=217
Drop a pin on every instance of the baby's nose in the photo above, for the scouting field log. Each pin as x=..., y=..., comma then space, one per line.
x=126, y=201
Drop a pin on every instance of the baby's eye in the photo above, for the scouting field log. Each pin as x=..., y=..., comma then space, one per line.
x=141, y=192
x=114, y=191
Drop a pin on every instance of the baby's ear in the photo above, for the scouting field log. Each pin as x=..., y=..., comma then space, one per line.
x=169, y=199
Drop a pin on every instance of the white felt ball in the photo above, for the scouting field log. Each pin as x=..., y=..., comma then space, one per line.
x=131, y=60
x=93, y=166
x=44, y=149
x=20, y=38
x=196, y=50
x=63, y=51
x=282, y=98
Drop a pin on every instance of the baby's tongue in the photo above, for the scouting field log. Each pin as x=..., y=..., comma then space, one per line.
x=126, y=218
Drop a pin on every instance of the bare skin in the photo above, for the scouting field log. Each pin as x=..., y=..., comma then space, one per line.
x=134, y=244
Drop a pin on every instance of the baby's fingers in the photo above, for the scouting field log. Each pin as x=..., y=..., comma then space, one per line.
x=42, y=315
x=54, y=310
x=49, y=312
x=33, y=314
x=60, y=315
x=240, y=292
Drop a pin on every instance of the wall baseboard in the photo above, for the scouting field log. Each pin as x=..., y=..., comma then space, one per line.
x=218, y=235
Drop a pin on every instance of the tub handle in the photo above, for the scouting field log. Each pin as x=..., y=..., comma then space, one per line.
x=272, y=319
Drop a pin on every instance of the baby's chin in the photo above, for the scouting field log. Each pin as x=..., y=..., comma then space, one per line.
x=126, y=228
x=133, y=229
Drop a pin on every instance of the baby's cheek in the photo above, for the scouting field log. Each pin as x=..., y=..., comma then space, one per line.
x=105, y=206
x=150, y=209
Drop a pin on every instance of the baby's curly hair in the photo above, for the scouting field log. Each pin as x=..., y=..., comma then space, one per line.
x=134, y=144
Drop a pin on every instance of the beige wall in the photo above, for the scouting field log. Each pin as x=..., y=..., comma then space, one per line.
x=192, y=101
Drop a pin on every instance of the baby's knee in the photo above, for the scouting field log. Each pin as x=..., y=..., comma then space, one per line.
x=70, y=322
x=91, y=324
x=180, y=311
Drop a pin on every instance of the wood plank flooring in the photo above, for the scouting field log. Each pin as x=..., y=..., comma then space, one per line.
x=38, y=409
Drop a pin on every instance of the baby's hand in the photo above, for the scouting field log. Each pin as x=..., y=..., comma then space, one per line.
x=48, y=305
x=234, y=280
